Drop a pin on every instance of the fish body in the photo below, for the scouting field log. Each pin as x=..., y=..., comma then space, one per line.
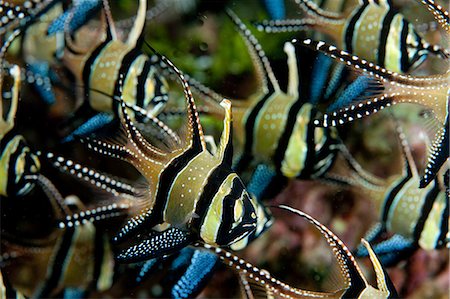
x=48, y=270
x=98, y=67
x=16, y=158
x=195, y=193
x=373, y=30
x=390, y=88
x=258, y=281
x=419, y=215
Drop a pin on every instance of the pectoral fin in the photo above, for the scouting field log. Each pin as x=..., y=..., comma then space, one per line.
x=155, y=245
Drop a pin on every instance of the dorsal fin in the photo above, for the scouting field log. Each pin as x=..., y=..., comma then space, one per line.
x=111, y=33
x=195, y=131
x=353, y=277
x=208, y=96
x=293, y=81
x=136, y=34
x=313, y=10
x=440, y=14
x=384, y=283
x=260, y=60
x=129, y=144
x=225, y=148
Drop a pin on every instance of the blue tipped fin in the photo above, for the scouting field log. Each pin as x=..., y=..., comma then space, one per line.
x=93, y=124
x=276, y=9
x=80, y=13
x=74, y=293
x=390, y=251
x=351, y=93
x=196, y=275
x=319, y=77
x=40, y=73
x=261, y=178
x=335, y=80
x=146, y=268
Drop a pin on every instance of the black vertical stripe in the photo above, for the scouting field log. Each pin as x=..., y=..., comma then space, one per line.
x=166, y=181
x=310, y=159
x=141, y=80
x=88, y=68
x=384, y=34
x=391, y=196
x=125, y=66
x=283, y=142
x=225, y=233
x=429, y=200
x=55, y=272
x=404, y=61
x=215, y=180
x=443, y=238
x=250, y=123
x=350, y=31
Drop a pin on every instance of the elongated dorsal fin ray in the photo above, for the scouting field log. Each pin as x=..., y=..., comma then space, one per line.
x=207, y=94
x=409, y=163
x=111, y=33
x=20, y=17
x=350, y=270
x=158, y=9
x=148, y=117
x=136, y=140
x=260, y=60
x=225, y=148
x=136, y=34
x=293, y=81
x=164, y=129
x=7, y=124
x=313, y=10
x=7, y=43
x=384, y=283
x=440, y=14
x=195, y=133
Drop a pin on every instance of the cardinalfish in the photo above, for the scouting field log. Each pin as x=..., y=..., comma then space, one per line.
x=419, y=218
x=373, y=30
x=17, y=160
x=46, y=268
x=98, y=69
x=20, y=166
x=190, y=269
x=258, y=281
x=194, y=193
x=275, y=128
x=41, y=25
x=390, y=88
